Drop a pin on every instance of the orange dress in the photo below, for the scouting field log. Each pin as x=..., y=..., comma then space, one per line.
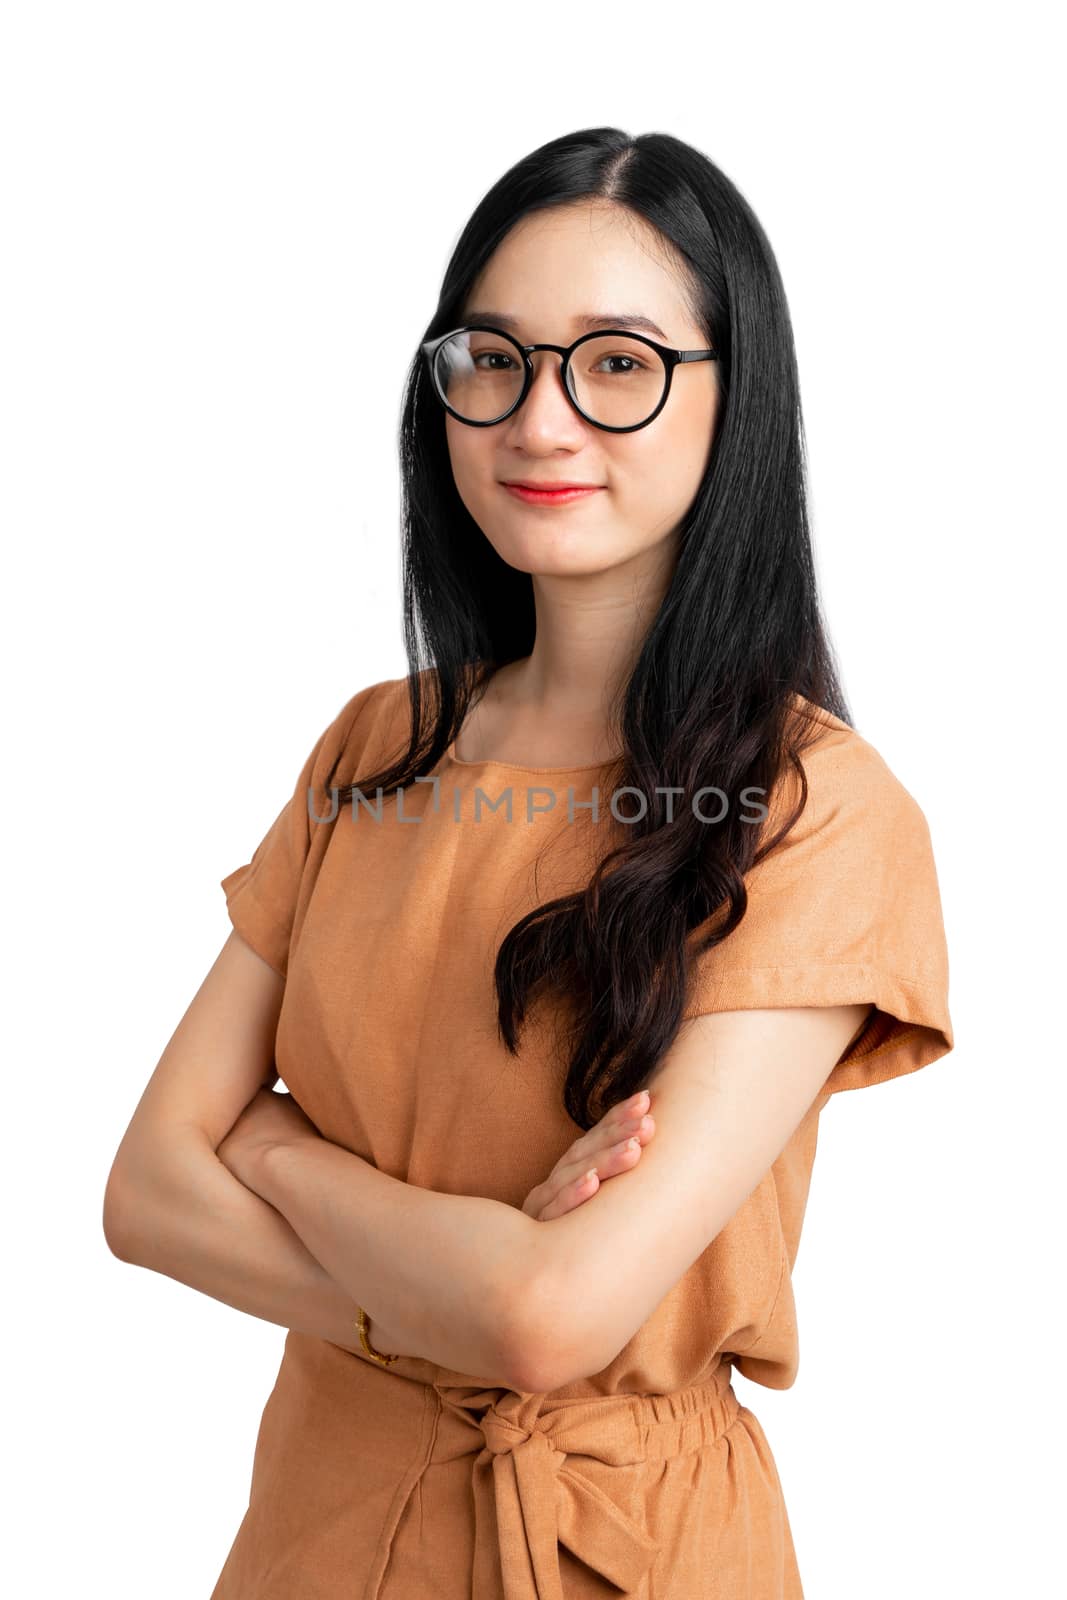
x=649, y=1479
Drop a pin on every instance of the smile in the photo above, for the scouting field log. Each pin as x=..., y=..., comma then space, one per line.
x=550, y=497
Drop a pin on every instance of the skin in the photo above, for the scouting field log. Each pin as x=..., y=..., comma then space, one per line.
x=566, y=1294
x=614, y=1145
x=227, y=1186
x=599, y=566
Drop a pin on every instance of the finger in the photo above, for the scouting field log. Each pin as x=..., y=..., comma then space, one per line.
x=559, y=1194
x=621, y=1122
x=613, y=1125
x=613, y=1154
x=563, y=1192
x=570, y=1195
x=617, y=1125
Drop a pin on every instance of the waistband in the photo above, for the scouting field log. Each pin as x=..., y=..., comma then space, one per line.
x=530, y=1493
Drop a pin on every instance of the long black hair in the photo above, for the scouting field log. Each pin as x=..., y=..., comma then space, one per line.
x=738, y=634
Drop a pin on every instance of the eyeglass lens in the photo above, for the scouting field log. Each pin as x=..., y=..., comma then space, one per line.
x=615, y=380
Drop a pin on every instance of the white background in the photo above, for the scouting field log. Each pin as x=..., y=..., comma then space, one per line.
x=220, y=220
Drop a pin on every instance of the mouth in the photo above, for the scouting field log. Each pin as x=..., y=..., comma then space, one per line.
x=554, y=494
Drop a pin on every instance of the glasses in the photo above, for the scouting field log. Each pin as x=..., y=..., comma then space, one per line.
x=618, y=381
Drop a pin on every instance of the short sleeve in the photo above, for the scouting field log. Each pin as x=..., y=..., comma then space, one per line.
x=845, y=909
x=262, y=895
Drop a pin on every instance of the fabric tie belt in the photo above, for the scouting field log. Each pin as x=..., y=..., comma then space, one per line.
x=535, y=1470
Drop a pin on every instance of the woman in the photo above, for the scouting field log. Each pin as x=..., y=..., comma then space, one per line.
x=538, y=1402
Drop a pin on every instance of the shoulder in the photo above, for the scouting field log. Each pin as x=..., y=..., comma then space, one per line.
x=358, y=726
x=372, y=729
x=858, y=823
x=847, y=776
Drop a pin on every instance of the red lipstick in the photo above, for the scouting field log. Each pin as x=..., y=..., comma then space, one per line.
x=551, y=494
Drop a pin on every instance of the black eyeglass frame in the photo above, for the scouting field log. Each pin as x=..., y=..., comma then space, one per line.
x=670, y=358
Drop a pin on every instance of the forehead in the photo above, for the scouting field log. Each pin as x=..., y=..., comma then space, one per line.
x=561, y=270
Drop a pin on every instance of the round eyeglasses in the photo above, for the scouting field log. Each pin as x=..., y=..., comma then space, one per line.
x=615, y=380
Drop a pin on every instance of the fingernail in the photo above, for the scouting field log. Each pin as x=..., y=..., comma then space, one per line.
x=638, y=1099
x=627, y=1144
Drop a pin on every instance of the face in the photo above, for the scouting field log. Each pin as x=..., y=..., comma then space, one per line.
x=553, y=268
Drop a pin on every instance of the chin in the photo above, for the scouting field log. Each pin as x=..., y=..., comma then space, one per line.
x=558, y=557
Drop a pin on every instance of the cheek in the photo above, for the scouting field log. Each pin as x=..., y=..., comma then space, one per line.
x=467, y=451
x=665, y=466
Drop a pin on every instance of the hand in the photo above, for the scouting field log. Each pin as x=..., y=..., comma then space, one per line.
x=567, y=1186
x=267, y=1120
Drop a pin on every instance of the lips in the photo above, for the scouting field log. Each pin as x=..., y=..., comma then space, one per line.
x=552, y=494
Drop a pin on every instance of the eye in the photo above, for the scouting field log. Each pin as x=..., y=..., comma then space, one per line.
x=633, y=365
x=480, y=356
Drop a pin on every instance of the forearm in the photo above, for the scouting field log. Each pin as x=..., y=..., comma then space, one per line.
x=445, y=1272
x=191, y=1219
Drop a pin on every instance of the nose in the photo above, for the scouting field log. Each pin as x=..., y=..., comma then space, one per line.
x=546, y=416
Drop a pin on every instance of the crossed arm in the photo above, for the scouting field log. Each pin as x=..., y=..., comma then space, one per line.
x=434, y=1272
x=462, y=1280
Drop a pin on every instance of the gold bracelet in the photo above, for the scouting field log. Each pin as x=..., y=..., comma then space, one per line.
x=362, y=1324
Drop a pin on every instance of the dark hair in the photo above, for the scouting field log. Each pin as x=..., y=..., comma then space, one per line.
x=739, y=632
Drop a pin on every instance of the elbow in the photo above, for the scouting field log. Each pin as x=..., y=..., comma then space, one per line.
x=551, y=1342
x=120, y=1209
x=536, y=1374
x=149, y=1177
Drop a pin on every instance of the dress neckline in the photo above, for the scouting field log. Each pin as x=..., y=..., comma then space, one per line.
x=518, y=766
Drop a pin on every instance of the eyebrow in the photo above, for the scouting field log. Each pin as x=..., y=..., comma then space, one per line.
x=611, y=319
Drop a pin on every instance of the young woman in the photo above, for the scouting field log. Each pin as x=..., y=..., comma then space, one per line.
x=612, y=847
